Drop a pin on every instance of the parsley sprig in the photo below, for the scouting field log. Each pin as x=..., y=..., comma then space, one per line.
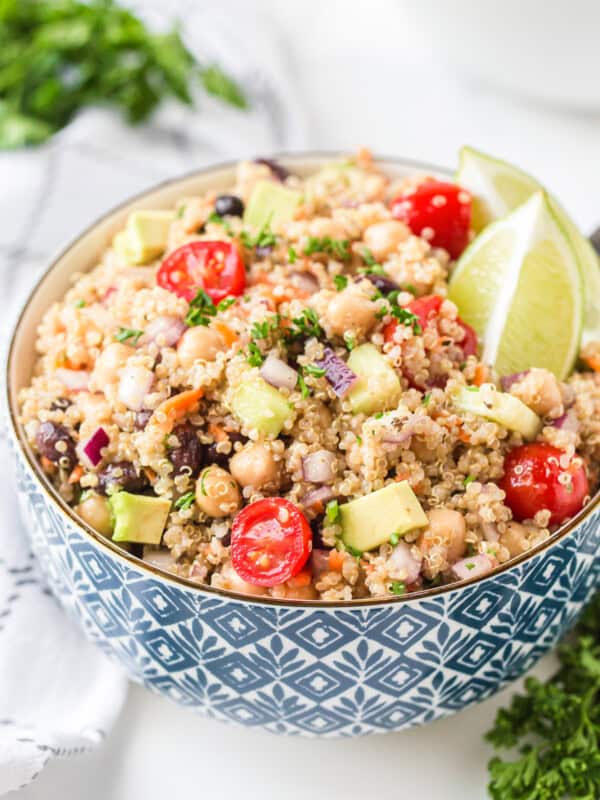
x=131, y=335
x=304, y=326
x=264, y=238
x=201, y=310
x=555, y=725
x=336, y=248
x=59, y=57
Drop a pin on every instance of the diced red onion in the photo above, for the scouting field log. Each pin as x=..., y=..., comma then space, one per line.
x=403, y=565
x=305, y=281
x=321, y=495
x=278, y=373
x=319, y=562
x=337, y=372
x=94, y=445
x=506, y=381
x=390, y=436
x=567, y=422
x=169, y=329
x=158, y=558
x=319, y=467
x=134, y=385
x=473, y=567
x=74, y=379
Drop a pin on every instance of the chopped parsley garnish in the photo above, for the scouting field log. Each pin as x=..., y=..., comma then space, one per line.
x=185, y=501
x=337, y=248
x=127, y=334
x=332, y=511
x=470, y=565
x=201, y=309
x=397, y=587
x=225, y=303
x=264, y=238
x=469, y=479
x=359, y=438
x=312, y=369
x=263, y=329
x=353, y=551
x=472, y=388
x=369, y=258
x=406, y=317
x=79, y=304
x=340, y=282
x=255, y=358
x=180, y=211
x=304, y=326
x=304, y=390
x=219, y=220
x=394, y=539
x=426, y=399
x=349, y=341
x=292, y=255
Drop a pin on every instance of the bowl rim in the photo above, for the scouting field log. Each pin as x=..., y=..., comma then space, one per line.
x=163, y=575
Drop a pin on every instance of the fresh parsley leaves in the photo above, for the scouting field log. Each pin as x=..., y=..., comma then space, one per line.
x=336, y=248
x=201, y=309
x=255, y=358
x=131, y=335
x=304, y=326
x=185, y=501
x=340, y=282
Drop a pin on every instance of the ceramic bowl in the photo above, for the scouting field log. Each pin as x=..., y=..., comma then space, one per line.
x=303, y=668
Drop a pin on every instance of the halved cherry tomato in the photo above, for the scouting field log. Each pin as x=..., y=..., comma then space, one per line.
x=439, y=212
x=532, y=482
x=426, y=309
x=469, y=343
x=216, y=267
x=270, y=541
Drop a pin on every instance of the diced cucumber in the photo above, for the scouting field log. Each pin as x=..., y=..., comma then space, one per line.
x=370, y=521
x=378, y=387
x=138, y=518
x=144, y=237
x=259, y=405
x=500, y=407
x=270, y=203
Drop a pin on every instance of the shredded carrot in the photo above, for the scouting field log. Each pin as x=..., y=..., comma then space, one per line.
x=481, y=374
x=150, y=474
x=593, y=362
x=303, y=578
x=47, y=465
x=336, y=560
x=229, y=335
x=464, y=437
x=76, y=474
x=172, y=409
x=217, y=432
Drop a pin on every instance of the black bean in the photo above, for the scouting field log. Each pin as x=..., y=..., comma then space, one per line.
x=213, y=456
x=384, y=284
x=121, y=475
x=316, y=527
x=278, y=170
x=60, y=404
x=229, y=205
x=49, y=435
x=189, y=452
x=142, y=418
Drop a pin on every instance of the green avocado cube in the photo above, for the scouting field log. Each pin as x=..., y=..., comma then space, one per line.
x=378, y=387
x=259, y=405
x=138, y=518
x=271, y=203
x=505, y=409
x=369, y=521
x=144, y=237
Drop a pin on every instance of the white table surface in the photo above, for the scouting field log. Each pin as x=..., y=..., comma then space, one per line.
x=366, y=78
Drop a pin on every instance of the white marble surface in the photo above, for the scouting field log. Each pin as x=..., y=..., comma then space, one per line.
x=365, y=78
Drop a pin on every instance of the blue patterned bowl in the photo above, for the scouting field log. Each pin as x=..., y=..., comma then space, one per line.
x=302, y=668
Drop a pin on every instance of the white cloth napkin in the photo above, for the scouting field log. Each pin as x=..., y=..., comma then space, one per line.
x=59, y=696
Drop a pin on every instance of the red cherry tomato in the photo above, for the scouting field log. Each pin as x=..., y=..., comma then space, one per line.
x=426, y=308
x=439, y=212
x=271, y=541
x=469, y=342
x=216, y=267
x=532, y=482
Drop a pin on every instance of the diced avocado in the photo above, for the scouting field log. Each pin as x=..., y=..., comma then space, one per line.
x=500, y=407
x=271, y=203
x=378, y=387
x=144, y=237
x=372, y=519
x=259, y=405
x=138, y=518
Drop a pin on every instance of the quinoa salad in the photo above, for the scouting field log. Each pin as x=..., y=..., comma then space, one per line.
x=268, y=390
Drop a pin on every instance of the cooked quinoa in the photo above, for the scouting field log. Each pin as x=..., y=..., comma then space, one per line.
x=161, y=377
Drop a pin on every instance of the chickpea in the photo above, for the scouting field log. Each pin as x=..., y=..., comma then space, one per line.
x=288, y=591
x=515, y=539
x=108, y=364
x=232, y=581
x=217, y=494
x=540, y=390
x=383, y=238
x=254, y=466
x=199, y=344
x=351, y=310
x=443, y=541
x=95, y=511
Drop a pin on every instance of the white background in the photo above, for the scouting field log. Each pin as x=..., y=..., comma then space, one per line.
x=366, y=77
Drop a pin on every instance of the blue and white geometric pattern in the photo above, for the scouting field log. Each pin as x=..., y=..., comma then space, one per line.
x=313, y=671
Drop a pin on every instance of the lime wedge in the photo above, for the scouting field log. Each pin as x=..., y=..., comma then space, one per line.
x=519, y=285
x=497, y=189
